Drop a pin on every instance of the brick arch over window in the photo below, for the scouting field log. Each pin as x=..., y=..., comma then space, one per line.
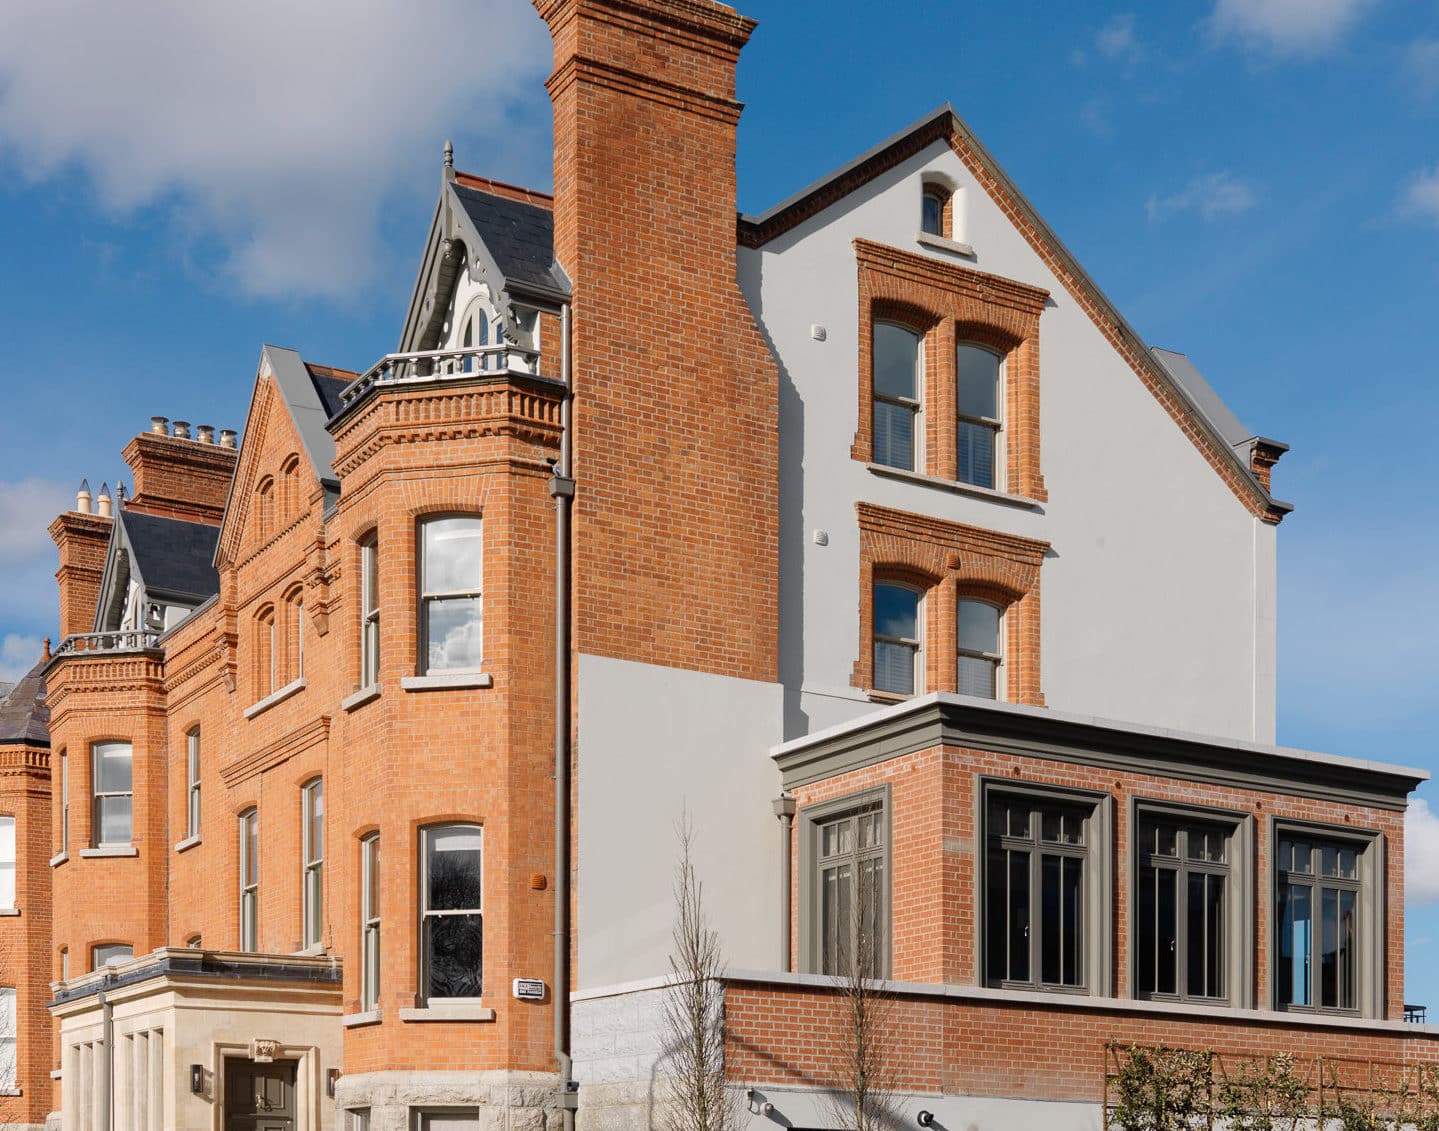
x=953, y=561
x=954, y=304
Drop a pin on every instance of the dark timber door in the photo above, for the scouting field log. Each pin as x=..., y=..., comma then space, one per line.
x=259, y=1097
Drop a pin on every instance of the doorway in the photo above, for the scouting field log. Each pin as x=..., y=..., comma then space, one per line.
x=259, y=1097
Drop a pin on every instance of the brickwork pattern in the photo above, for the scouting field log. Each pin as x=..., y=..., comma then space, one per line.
x=950, y=560
x=82, y=540
x=949, y=304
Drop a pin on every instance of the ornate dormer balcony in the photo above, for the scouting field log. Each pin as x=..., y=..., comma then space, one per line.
x=425, y=366
x=108, y=643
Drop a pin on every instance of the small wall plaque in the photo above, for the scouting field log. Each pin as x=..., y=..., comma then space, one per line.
x=529, y=989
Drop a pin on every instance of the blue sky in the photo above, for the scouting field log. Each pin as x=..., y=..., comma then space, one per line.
x=1254, y=182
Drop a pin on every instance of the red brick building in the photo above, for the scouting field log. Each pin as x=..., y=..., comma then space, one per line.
x=865, y=534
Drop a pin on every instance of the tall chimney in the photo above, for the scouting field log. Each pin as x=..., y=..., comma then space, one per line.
x=83, y=540
x=675, y=427
x=175, y=477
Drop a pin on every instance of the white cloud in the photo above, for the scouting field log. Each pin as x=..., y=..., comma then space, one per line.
x=1421, y=854
x=273, y=127
x=18, y=654
x=26, y=510
x=1116, y=39
x=1287, y=27
x=1211, y=196
x=1421, y=68
x=1420, y=198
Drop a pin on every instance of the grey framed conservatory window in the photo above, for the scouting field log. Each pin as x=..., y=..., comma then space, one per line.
x=979, y=375
x=898, y=638
x=113, y=794
x=452, y=924
x=1328, y=954
x=312, y=839
x=1191, y=907
x=980, y=648
x=897, y=369
x=451, y=610
x=1045, y=888
x=845, y=884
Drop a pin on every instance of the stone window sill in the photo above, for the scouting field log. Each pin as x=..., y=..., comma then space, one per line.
x=274, y=697
x=446, y=681
x=314, y=950
x=11, y=1092
x=9, y=912
x=187, y=843
x=58, y=859
x=56, y=1074
x=929, y=239
x=357, y=1020
x=361, y=697
x=109, y=850
x=954, y=486
x=457, y=1012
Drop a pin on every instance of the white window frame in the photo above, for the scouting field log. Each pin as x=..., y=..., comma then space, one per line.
x=995, y=658
x=427, y=597
x=312, y=838
x=249, y=895
x=915, y=405
x=370, y=896
x=114, y=954
x=64, y=802
x=427, y=915
x=370, y=611
x=192, y=782
x=8, y=1041
x=98, y=798
x=8, y=870
x=995, y=424
x=917, y=643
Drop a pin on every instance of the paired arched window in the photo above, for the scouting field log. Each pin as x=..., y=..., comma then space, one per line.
x=980, y=649
x=265, y=507
x=978, y=376
x=898, y=639
x=899, y=633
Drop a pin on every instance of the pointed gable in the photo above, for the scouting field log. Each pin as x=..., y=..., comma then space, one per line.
x=1197, y=411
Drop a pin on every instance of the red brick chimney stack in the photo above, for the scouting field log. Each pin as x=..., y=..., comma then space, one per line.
x=675, y=390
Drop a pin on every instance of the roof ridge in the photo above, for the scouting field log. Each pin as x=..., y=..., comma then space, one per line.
x=509, y=191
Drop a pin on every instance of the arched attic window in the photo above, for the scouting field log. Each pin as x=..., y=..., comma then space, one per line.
x=290, y=502
x=265, y=507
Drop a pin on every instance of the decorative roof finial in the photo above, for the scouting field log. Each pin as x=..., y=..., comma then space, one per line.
x=449, y=160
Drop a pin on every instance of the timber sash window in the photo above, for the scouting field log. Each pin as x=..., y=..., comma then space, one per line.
x=192, y=783
x=113, y=794
x=250, y=880
x=978, y=374
x=370, y=922
x=369, y=612
x=313, y=848
x=897, y=379
x=981, y=651
x=451, y=608
x=64, y=803
x=7, y=863
x=452, y=924
x=898, y=653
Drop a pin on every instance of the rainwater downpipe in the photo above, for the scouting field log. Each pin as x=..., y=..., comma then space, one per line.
x=784, y=807
x=562, y=490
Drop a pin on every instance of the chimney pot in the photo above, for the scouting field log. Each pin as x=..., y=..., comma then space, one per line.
x=104, y=507
x=205, y=433
x=157, y=425
x=181, y=430
x=83, y=497
x=227, y=437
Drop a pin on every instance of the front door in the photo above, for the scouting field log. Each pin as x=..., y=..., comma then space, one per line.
x=259, y=1097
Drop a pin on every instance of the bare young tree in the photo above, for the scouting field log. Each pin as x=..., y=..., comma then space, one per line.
x=865, y=1098
x=694, y=1009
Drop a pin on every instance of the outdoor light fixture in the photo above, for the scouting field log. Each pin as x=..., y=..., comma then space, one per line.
x=331, y=1075
x=926, y=1119
x=197, y=1078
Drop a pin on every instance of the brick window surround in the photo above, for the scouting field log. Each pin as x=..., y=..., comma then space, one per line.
x=950, y=560
x=948, y=304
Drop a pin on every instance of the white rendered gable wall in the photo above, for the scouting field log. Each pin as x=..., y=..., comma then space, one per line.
x=1158, y=597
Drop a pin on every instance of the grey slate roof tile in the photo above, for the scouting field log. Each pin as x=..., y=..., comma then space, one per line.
x=520, y=236
x=24, y=716
x=172, y=556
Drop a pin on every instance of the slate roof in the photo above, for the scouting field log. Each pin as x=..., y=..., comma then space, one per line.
x=329, y=383
x=519, y=235
x=24, y=717
x=174, y=558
